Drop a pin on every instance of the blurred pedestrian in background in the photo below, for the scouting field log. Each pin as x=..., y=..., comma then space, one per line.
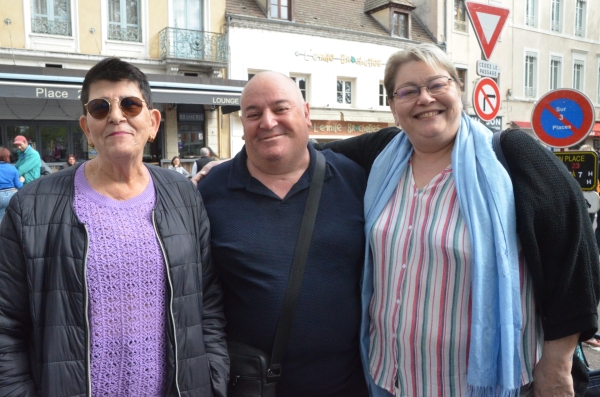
x=29, y=162
x=9, y=180
x=176, y=166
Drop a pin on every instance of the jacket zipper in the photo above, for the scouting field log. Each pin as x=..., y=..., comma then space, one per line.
x=87, y=319
x=172, y=317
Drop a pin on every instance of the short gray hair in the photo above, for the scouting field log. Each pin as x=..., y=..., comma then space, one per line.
x=204, y=152
x=431, y=54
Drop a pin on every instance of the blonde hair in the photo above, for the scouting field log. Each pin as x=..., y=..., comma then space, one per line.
x=431, y=54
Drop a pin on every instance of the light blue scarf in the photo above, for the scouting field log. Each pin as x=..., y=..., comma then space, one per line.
x=486, y=200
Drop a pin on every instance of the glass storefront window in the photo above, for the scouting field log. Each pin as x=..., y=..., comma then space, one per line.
x=191, y=140
x=79, y=143
x=54, y=143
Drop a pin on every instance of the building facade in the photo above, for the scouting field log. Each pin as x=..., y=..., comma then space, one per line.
x=335, y=51
x=47, y=46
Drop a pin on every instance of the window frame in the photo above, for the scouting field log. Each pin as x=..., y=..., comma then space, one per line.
x=345, y=80
x=50, y=17
x=556, y=16
x=578, y=62
x=531, y=13
x=382, y=96
x=530, y=87
x=396, y=26
x=279, y=7
x=124, y=25
x=305, y=92
x=580, y=18
x=559, y=78
x=461, y=23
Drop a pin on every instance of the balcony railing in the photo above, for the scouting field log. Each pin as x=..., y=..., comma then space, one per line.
x=530, y=91
x=530, y=20
x=555, y=25
x=130, y=33
x=45, y=26
x=579, y=31
x=193, y=44
x=459, y=25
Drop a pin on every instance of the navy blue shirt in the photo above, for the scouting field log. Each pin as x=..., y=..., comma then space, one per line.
x=254, y=235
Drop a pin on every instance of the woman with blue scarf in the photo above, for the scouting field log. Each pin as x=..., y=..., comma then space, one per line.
x=474, y=284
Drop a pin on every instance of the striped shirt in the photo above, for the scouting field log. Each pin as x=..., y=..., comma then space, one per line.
x=421, y=306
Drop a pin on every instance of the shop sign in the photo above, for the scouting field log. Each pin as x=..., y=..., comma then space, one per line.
x=493, y=125
x=191, y=117
x=343, y=58
x=332, y=127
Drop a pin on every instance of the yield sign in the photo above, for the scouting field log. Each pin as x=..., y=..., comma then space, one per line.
x=488, y=22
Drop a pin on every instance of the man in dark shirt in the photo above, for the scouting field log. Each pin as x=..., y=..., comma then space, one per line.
x=255, y=204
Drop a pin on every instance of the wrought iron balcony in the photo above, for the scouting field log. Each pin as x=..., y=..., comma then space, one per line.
x=130, y=33
x=193, y=45
x=46, y=26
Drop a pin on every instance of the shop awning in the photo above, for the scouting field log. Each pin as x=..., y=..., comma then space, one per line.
x=42, y=86
x=595, y=130
x=524, y=125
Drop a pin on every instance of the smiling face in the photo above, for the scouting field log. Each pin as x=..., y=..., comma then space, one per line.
x=275, y=118
x=430, y=122
x=117, y=137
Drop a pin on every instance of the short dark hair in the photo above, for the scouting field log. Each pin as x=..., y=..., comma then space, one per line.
x=173, y=160
x=4, y=155
x=114, y=69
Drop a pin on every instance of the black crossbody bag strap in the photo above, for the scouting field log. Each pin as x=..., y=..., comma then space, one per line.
x=290, y=299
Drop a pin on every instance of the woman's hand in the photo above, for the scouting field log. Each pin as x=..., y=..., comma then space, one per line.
x=205, y=170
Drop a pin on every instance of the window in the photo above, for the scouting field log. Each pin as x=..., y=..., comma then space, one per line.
x=344, y=92
x=187, y=14
x=381, y=95
x=51, y=17
x=530, y=73
x=301, y=82
x=555, y=22
x=460, y=16
x=400, y=25
x=578, y=74
x=580, y=18
x=462, y=76
x=124, y=20
x=555, y=72
x=280, y=9
x=530, y=12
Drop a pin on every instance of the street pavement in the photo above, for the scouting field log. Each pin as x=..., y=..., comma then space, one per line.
x=592, y=355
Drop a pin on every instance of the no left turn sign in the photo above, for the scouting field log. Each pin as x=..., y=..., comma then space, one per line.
x=486, y=99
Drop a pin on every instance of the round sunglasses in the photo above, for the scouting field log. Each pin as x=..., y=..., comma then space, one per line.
x=99, y=108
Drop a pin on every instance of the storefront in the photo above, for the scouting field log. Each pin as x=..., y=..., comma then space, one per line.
x=43, y=105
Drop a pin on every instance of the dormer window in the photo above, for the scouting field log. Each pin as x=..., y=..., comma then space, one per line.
x=393, y=15
x=280, y=9
x=400, y=24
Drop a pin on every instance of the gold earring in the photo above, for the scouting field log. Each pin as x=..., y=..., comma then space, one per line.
x=150, y=139
x=91, y=144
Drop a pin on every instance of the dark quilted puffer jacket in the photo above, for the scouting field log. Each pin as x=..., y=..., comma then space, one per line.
x=44, y=332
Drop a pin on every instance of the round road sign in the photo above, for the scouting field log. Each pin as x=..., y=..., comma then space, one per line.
x=563, y=118
x=486, y=99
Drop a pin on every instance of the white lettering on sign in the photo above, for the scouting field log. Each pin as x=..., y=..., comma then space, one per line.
x=228, y=101
x=559, y=109
x=46, y=93
x=561, y=127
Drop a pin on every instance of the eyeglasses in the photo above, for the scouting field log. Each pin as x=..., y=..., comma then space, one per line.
x=99, y=108
x=435, y=87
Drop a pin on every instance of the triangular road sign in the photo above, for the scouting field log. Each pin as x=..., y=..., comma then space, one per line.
x=488, y=22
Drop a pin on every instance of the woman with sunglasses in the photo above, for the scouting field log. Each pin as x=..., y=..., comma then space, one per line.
x=107, y=283
x=454, y=302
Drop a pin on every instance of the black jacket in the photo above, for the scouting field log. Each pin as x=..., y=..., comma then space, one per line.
x=44, y=330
